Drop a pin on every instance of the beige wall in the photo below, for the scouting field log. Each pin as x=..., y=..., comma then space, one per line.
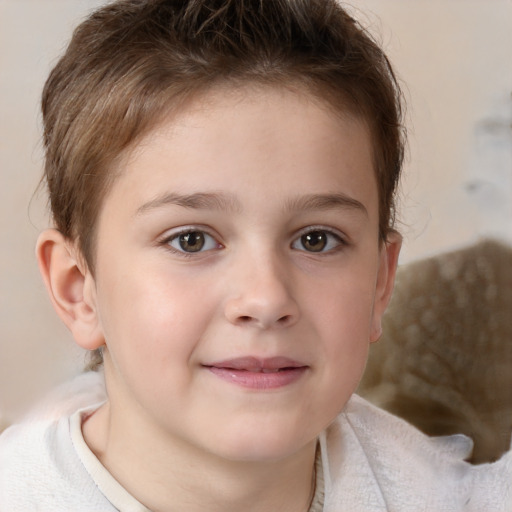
x=455, y=57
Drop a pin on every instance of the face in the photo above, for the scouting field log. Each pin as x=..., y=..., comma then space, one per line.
x=239, y=277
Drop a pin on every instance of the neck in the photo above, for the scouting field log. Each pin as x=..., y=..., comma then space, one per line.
x=166, y=474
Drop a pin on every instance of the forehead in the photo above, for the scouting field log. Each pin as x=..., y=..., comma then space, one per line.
x=275, y=136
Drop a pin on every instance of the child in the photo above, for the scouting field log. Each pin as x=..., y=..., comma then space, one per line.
x=221, y=177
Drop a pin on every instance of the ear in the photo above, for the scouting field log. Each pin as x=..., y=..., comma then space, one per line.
x=388, y=262
x=71, y=287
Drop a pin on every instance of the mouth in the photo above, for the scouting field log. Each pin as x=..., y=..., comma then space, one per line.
x=260, y=374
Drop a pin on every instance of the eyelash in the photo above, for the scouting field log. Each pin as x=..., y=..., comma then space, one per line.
x=331, y=238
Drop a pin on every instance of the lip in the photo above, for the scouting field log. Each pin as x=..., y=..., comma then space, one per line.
x=256, y=373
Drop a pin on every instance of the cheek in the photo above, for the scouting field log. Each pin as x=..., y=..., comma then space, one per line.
x=345, y=310
x=151, y=340
x=152, y=320
x=344, y=326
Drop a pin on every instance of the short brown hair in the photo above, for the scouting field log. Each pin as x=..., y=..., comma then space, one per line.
x=132, y=61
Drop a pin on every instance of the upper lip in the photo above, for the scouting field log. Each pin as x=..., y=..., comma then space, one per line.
x=256, y=364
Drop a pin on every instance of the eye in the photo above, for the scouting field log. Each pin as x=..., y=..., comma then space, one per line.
x=192, y=241
x=317, y=240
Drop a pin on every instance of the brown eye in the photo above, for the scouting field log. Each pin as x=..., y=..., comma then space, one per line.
x=191, y=242
x=318, y=240
x=315, y=241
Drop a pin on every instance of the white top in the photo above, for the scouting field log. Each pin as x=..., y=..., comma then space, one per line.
x=371, y=461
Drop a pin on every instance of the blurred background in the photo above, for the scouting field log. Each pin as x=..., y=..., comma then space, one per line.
x=454, y=58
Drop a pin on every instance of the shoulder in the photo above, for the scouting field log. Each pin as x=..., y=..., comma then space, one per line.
x=409, y=465
x=390, y=465
x=383, y=432
x=28, y=449
x=40, y=469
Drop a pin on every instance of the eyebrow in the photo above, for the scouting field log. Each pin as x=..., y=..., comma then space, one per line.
x=198, y=201
x=325, y=202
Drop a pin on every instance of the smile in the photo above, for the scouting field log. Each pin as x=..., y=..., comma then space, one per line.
x=259, y=374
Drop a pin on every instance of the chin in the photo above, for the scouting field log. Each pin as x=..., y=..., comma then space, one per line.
x=256, y=446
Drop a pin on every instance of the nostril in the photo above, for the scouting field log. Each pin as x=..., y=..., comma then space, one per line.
x=284, y=319
x=244, y=318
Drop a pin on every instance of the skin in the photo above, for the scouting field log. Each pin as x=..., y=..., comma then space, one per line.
x=254, y=172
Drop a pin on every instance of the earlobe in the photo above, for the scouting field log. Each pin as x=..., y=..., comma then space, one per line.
x=385, y=281
x=70, y=286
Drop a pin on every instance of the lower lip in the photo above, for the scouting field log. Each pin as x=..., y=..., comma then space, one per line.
x=259, y=380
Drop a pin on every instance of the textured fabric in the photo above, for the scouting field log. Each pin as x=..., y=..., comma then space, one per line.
x=40, y=471
x=492, y=488
x=371, y=462
x=374, y=461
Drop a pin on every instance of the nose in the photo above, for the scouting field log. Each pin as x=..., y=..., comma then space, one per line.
x=262, y=296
